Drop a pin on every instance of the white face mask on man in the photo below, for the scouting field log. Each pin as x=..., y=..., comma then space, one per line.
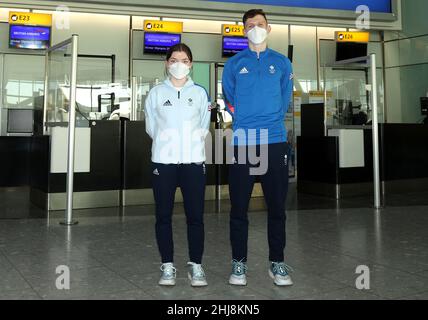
x=179, y=70
x=257, y=35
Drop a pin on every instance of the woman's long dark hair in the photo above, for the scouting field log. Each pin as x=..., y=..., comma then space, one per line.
x=180, y=47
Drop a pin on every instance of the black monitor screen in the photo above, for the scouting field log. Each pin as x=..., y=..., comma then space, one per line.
x=350, y=50
x=160, y=42
x=20, y=121
x=233, y=45
x=424, y=106
x=29, y=37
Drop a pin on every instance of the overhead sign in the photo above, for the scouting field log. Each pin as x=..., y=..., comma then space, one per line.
x=362, y=37
x=163, y=26
x=233, y=30
x=383, y=6
x=315, y=94
x=28, y=18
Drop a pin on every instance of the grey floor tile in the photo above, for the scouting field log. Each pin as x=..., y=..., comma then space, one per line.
x=304, y=285
x=4, y=263
x=417, y=296
x=260, y=282
x=122, y=295
x=182, y=289
x=83, y=283
x=344, y=294
x=112, y=252
x=24, y=294
x=423, y=274
x=12, y=280
x=47, y=262
x=384, y=282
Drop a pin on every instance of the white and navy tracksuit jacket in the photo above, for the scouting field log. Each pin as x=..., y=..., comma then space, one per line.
x=177, y=121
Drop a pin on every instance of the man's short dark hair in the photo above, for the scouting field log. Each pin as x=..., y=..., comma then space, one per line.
x=252, y=13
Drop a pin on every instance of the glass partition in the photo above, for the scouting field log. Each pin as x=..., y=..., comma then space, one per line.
x=57, y=90
x=353, y=91
x=22, y=79
x=149, y=73
x=98, y=95
x=60, y=108
x=347, y=94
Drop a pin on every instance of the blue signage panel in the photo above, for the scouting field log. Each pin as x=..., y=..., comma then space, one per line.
x=160, y=42
x=382, y=6
x=29, y=33
x=233, y=45
x=29, y=37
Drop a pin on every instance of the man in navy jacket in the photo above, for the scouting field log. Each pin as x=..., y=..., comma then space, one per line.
x=257, y=89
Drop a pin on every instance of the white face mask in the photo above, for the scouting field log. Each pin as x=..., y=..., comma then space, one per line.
x=179, y=70
x=257, y=35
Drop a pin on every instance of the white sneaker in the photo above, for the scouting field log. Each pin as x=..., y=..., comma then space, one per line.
x=278, y=271
x=168, y=274
x=238, y=276
x=196, y=275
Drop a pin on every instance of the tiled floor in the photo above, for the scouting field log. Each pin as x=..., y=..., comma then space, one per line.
x=112, y=253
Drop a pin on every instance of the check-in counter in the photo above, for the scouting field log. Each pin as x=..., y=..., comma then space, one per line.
x=112, y=167
x=404, y=157
x=341, y=164
x=324, y=168
x=14, y=161
x=97, y=178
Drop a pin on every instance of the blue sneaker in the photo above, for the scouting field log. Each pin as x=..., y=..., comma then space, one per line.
x=279, y=272
x=196, y=275
x=238, y=276
x=168, y=274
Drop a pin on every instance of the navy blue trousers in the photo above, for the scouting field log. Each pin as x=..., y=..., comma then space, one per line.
x=275, y=187
x=191, y=179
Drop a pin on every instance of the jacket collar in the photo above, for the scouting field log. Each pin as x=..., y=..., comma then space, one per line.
x=253, y=54
x=188, y=83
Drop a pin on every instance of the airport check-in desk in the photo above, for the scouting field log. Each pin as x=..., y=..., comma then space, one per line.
x=112, y=167
x=97, y=178
x=341, y=164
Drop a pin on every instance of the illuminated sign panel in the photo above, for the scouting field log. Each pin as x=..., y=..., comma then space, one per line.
x=381, y=6
x=163, y=26
x=362, y=37
x=233, y=30
x=27, y=18
x=160, y=42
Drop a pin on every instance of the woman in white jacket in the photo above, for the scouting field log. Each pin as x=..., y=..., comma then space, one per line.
x=177, y=119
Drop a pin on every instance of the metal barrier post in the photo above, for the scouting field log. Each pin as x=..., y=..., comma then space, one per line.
x=375, y=133
x=71, y=134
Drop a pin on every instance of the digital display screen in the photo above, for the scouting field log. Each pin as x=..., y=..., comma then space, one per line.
x=20, y=121
x=383, y=6
x=160, y=42
x=233, y=45
x=29, y=37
